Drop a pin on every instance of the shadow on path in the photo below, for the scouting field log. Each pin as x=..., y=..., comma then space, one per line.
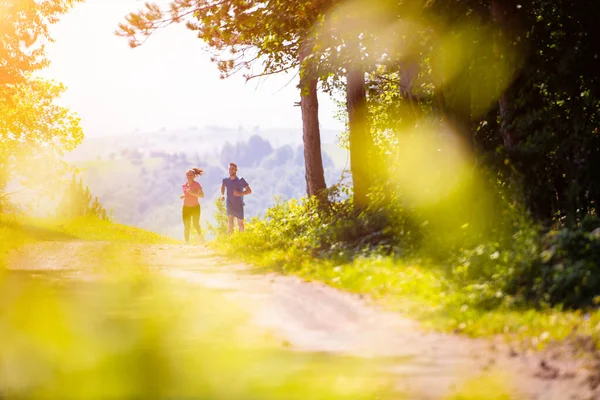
x=38, y=233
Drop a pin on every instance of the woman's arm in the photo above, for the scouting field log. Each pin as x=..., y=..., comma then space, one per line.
x=199, y=194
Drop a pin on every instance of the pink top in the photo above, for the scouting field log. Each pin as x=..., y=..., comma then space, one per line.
x=189, y=200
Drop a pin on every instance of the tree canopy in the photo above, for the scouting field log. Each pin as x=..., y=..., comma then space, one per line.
x=23, y=31
x=515, y=82
x=239, y=33
x=34, y=131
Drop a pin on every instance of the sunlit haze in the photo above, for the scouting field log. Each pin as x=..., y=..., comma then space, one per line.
x=165, y=233
x=169, y=82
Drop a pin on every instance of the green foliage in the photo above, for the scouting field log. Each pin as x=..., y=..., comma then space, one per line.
x=86, y=228
x=566, y=271
x=77, y=202
x=334, y=230
x=555, y=108
x=141, y=196
x=516, y=84
x=131, y=333
x=34, y=131
x=24, y=30
x=559, y=268
x=219, y=228
x=492, y=288
x=485, y=387
x=502, y=277
x=164, y=341
x=265, y=31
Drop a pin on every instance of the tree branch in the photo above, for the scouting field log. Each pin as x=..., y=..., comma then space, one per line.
x=284, y=69
x=3, y=195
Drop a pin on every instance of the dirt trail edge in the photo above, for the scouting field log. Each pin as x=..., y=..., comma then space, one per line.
x=313, y=317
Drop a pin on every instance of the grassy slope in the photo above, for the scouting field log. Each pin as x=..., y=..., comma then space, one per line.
x=110, y=342
x=18, y=230
x=423, y=292
x=281, y=374
x=83, y=228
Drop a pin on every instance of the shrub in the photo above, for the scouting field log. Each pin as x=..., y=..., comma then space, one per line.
x=567, y=269
x=506, y=260
x=557, y=268
x=331, y=230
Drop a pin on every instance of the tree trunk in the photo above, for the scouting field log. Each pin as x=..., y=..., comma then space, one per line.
x=361, y=142
x=440, y=101
x=311, y=134
x=458, y=109
x=438, y=78
x=503, y=13
x=505, y=16
x=505, y=131
x=453, y=101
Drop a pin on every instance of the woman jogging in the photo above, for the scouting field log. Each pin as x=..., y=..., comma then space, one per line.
x=192, y=191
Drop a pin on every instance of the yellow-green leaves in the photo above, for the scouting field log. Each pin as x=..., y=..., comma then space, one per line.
x=35, y=131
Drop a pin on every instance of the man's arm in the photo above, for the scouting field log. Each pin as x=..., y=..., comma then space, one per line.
x=245, y=192
x=222, y=191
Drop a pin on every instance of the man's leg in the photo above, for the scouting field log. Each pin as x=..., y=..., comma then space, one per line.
x=230, y=224
x=240, y=225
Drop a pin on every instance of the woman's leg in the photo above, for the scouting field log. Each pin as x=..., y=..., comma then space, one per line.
x=186, y=216
x=196, y=221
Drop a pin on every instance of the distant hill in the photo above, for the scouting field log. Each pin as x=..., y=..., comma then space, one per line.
x=138, y=176
x=209, y=139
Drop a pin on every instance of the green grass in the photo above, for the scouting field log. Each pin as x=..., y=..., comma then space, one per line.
x=139, y=335
x=133, y=333
x=486, y=387
x=153, y=339
x=23, y=228
x=425, y=292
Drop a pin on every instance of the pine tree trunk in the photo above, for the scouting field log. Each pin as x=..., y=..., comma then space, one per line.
x=360, y=140
x=503, y=14
x=458, y=109
x=453, y=101
x=311, y=134
x=438, y=78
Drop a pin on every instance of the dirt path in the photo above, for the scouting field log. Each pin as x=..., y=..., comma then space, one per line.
x=316, y=318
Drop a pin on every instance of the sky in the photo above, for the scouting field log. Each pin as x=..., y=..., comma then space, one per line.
x=169, y=82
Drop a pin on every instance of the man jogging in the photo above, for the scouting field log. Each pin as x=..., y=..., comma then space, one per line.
x=236, y=189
